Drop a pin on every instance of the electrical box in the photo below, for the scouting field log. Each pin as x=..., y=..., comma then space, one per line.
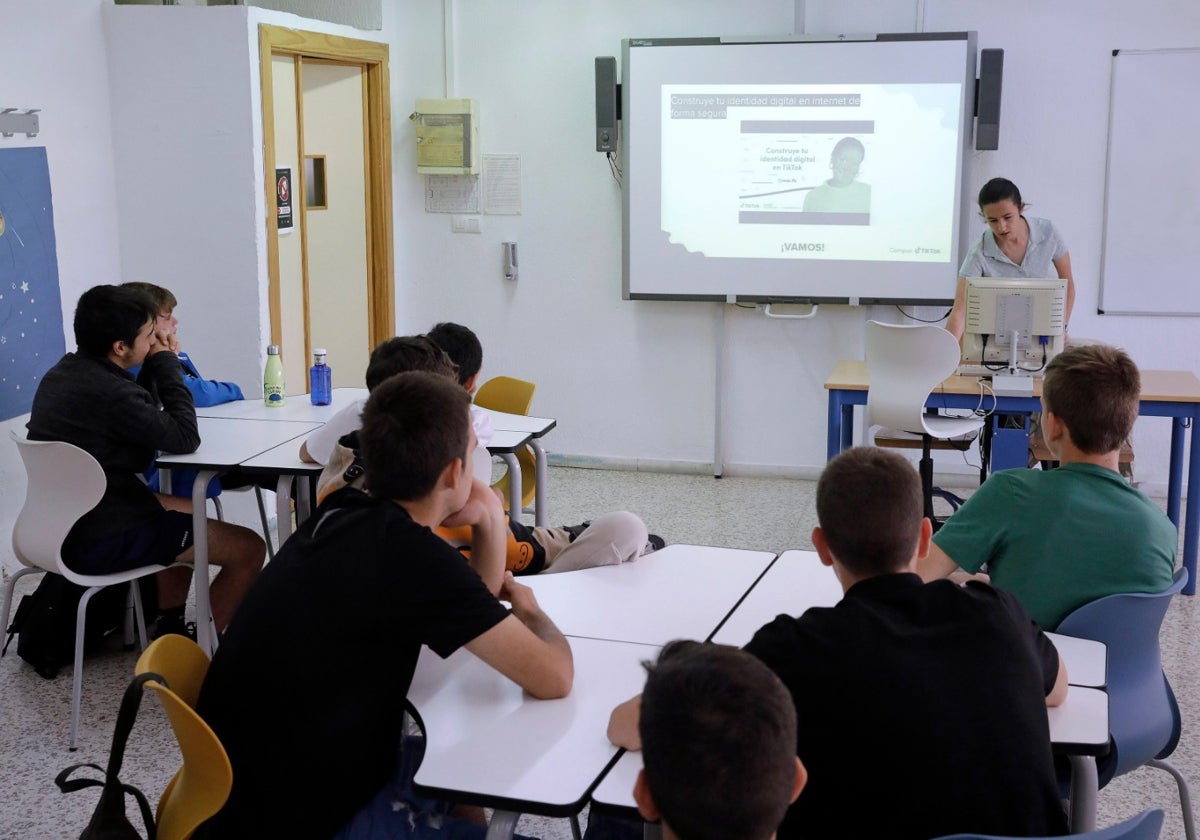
x=447, y=136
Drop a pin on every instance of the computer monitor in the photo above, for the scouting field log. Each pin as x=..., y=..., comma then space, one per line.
x=1000, y=309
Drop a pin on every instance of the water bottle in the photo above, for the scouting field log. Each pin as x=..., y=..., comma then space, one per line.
x=274, y=391
x=320, y=379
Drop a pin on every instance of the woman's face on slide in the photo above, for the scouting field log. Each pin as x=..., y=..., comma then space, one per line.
x=1003, y=217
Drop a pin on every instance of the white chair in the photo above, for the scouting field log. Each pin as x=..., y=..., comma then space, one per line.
x=906, y=363
x=65, y=482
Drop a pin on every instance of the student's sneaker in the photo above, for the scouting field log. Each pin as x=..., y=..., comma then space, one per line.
x=573, y=531
x=653, y=543
x=172, y=624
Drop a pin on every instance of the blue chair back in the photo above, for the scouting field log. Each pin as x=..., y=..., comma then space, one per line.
x=1143, y=715
x=1145, y=826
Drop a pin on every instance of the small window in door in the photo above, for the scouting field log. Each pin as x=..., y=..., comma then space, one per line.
x=314, y=182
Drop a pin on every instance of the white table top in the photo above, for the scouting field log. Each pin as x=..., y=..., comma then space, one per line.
x=488, y=741
x=795, y=582
x=1086, y=660
x=298, y=408
x=283, y=459
x=507, y=441
x=1079, y=725
x=678, y=592
x=503, y=421
x=229, y=442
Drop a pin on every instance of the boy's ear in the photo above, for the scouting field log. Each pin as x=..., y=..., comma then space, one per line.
x=645, y=802
x=452, y=474
x=801, y=779
x=822, y=547
x=472, y=383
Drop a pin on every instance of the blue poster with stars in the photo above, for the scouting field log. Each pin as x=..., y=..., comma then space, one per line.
x=31, y=333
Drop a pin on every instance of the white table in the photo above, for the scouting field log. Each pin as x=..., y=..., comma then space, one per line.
x=284, y=462
x=536, y=427
x=678, y=592
x=490, y=743
x=297, y=408
x=225, y=443
x=798, y=580
x=506, y=444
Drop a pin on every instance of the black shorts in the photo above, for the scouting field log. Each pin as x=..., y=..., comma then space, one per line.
x=160, y=541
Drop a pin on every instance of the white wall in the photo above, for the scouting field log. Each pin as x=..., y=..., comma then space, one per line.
x=630, y=382
x=53, y=58
x=634, y=381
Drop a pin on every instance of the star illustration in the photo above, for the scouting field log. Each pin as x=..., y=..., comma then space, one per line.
x=24, y=285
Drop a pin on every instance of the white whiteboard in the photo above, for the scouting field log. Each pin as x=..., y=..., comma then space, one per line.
x=1151, y=246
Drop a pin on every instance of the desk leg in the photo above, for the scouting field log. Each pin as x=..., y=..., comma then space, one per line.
x=205, y=632
x=539, y=484
x=1084, y=787
x=503, y=825
x=514, y=485
x=1191, y=519
x=283, y=508
x=840, y=425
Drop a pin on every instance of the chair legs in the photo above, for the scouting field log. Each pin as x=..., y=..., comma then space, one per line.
x=1185, y=796
x=6, y=610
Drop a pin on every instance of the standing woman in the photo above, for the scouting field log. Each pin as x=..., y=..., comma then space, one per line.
x=1012, y=246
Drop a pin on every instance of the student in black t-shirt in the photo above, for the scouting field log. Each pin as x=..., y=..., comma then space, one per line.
x=716, y=728
x=921, y=708
x=307, y=690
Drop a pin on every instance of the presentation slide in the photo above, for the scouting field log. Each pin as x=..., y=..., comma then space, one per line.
x=803, y=170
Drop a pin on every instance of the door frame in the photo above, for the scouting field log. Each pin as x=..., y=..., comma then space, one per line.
x=372, y=56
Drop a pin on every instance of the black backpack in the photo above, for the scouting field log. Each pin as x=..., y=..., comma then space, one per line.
x=45, y=620
x=109, y=821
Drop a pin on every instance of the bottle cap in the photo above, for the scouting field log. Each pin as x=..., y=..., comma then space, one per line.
x=273, y=350
x=319, y=351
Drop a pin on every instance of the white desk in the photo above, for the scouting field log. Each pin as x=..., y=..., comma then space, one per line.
x=537, y=427
x=797, y=581
x=506, y=444
x=298, y=409
x=224, y=445
x=678, y=592
x=488, y=742
x=284, y=462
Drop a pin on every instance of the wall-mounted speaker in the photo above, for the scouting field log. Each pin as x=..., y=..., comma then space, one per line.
x=608, y=109
x=987, y=99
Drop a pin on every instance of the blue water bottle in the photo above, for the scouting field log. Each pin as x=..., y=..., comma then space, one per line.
x=320, y=379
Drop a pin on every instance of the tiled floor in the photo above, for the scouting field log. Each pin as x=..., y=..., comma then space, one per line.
x=770, y=514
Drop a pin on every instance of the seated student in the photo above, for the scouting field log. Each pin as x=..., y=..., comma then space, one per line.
x=90, y=399
x=607, y=540
x=307, y=690
x=1063, y=537
x=623, y=531
x=920, y=707
x=716, y=729
x=205, y=392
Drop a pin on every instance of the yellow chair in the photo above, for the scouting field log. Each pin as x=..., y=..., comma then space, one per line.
x=203, y=783
x=512, y=396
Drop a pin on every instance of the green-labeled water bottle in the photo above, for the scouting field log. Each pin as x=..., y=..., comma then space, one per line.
x=274, y=392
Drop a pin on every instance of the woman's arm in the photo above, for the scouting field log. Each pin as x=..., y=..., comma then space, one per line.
x=957, y=320
x=1063, y=266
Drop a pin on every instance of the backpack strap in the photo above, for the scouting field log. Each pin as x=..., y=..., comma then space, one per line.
x=114, y=790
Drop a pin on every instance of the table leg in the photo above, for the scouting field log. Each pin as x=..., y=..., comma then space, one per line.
x=283, y=508
x=503, y=825
x=1191, y=519
x=514, y=485
x=206, y=636
x=1175, y=471
x=1084, y=787
x=539, y=484
x=839, y=421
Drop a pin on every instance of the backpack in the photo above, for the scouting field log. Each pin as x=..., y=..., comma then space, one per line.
x=45, y=620
x=109, y=821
